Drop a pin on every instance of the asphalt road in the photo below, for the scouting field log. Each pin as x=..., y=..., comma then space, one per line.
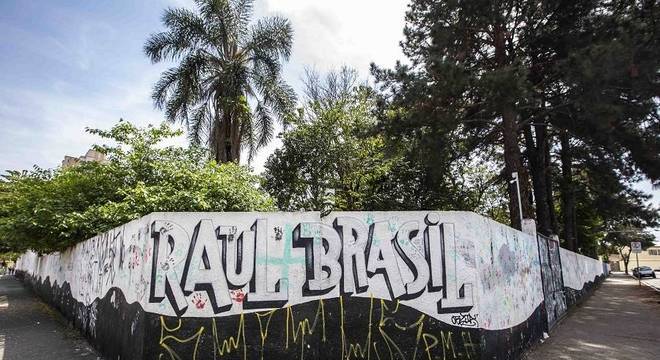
x=619, y=321
x=30, y=330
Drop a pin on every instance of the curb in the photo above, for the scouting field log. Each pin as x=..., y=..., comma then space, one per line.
x=656, y=288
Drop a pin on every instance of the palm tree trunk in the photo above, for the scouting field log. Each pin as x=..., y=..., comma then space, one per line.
x=235, y=140
x=221, y=141
x=216, y=143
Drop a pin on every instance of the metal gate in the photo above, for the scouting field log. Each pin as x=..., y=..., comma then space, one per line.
x=553, y=284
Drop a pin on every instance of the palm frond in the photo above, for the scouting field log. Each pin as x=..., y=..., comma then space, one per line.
x=179, y=88
x=276, y=94
x=248, y=138
x=266, y=65
x=220, y=21
x=243, y=10
x=263, y=125
x=186, y=32
x=272, y=35
x=199, y=125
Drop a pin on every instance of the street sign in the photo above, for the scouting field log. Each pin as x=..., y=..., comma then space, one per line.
x=636, y=247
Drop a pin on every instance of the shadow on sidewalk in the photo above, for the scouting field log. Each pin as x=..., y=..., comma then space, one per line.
x=29, y=329
x=621, y=320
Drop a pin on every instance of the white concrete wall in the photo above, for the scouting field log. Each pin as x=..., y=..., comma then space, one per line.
x=578, y=269
x=440, y=263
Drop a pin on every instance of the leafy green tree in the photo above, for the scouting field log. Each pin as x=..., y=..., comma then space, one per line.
x=48, y=210
x=328, y=159
x=441, y=167
x=337, y=156
x=605, y=199
x=225, y=65
x=619, y=240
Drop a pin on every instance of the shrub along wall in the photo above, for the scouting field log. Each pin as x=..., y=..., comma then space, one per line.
x=374, y=285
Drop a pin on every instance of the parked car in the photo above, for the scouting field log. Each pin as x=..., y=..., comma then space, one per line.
x=640, y=272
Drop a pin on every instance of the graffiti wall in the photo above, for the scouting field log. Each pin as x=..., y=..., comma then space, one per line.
x=551, y=273
x=579, y=269
x=580, y=275
x=255, y=285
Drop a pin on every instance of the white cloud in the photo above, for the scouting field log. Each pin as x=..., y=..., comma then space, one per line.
x=331, y=34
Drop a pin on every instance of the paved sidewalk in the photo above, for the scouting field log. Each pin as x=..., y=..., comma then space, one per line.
x=621, y=320
x=31, y=330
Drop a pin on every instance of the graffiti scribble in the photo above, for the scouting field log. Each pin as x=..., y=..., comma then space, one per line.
x=466, y=320
x=278, y=233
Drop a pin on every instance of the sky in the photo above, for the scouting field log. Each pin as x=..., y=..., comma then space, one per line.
x=69, y=65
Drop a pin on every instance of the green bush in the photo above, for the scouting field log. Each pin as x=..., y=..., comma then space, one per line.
x=49, y=210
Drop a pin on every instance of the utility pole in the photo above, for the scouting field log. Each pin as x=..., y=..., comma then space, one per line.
x=514, y=175
x=636, y=247
x=639, y=275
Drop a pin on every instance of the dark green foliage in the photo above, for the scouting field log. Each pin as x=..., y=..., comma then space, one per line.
x=335, y=157
x=488, y=74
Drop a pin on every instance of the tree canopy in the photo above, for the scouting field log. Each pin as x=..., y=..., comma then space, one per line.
x=337, y=156
x=564, y=94
x=48, y=210
x=328, y=159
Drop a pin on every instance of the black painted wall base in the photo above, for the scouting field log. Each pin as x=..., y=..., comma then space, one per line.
x=341, y=328
x=576, y=297
x=114, y=327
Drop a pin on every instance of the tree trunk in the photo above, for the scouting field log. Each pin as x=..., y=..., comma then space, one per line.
x=554, y=224
x=512, y=157
x=568, y=192
x=235, y=139
x=513, y=163
x=219, y=141
x=536, y=156
x=223, y=139
x=228, y=136
x=626, y=260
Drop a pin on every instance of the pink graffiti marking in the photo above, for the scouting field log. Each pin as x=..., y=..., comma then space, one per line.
x=199, y=301
x=238, y=295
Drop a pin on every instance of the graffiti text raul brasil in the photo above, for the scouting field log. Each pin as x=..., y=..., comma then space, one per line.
x=350, y=256
x=451, y=285
x=443, y=264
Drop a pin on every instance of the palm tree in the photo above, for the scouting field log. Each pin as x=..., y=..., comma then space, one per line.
x=227, y=88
